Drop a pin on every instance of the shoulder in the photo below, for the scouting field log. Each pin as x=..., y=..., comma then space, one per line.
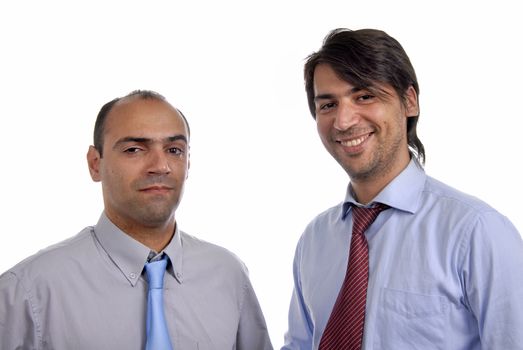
x=327, y=217
x=453, y=206
x=210, y=255
x=321, y=229
x=472, y=216
x=51, y=261
x=448, y=195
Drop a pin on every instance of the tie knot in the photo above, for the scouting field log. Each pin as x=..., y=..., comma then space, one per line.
x=155, y=271
x=363, y=217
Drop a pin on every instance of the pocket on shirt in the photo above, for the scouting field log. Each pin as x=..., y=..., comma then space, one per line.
x=407, y=320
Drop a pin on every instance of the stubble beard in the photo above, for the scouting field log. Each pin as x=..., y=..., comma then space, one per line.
x=153, y=213
x=156, y=214
x=381, y=162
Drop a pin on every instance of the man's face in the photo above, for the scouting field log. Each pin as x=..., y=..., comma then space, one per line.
x=144, y=165
x=364, y=132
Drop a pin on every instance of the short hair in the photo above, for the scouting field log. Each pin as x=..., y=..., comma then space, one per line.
x=364, y=58
x=99, y=126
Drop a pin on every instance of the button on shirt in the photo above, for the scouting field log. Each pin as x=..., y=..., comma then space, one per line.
x=445, y=271
x=90, y=292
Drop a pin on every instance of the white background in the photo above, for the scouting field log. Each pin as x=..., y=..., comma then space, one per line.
x=259, y=172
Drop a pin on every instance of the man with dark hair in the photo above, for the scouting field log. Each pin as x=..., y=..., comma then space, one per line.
x=135, y=280
x=405, y=261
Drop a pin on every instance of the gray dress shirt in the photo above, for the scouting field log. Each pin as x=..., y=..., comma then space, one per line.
x=90, y=292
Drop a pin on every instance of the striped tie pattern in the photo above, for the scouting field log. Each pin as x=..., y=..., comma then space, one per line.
x=344, y=330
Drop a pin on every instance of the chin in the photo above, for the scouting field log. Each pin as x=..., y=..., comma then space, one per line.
x=157, y=218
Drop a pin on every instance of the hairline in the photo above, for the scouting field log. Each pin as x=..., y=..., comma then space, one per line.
x=101, y=120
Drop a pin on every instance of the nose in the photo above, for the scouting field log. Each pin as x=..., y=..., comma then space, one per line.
x=158, y=162
x=346, y=117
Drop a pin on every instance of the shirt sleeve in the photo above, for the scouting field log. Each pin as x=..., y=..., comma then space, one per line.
x=252, y=329
x=299, y=334
x=493, y=278
x=18, y=327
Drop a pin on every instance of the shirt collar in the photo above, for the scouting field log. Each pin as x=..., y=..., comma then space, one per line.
x=402, y=193
x=129, y=255
x=175, y=253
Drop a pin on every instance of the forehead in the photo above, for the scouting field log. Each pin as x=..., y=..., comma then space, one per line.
x=325, y=77
x=138, y=117
x=327, y=81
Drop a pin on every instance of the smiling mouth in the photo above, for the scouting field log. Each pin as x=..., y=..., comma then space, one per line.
x=354, y=142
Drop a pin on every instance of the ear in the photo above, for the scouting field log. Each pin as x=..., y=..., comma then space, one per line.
x=93, y=162
x=411, y=102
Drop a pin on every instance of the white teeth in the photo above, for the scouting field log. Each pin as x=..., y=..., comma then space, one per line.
x=354, y=142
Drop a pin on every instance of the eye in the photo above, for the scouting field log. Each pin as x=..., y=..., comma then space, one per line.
x=175, y=150
x=327, y=106
x=365, y=97
x=132, y=150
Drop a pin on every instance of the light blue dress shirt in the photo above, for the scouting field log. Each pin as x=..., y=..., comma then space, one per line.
x=446, y=271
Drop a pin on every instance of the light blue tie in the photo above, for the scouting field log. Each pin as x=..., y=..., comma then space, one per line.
x=157, y=333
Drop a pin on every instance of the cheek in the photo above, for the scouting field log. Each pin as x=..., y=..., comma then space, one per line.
x=182, y=171
x=113, y=174
x=115, y=179
x=392, y=120
x=323, y=127
x=400, y=124
x=179, y=168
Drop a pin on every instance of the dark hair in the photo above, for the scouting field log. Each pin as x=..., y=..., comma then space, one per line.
x=106, y=108
x=363, y=58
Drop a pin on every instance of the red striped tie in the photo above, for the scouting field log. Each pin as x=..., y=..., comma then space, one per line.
x=344, y=330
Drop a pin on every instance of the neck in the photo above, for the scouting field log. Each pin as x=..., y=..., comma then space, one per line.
x=365, y=190
x=154, y=236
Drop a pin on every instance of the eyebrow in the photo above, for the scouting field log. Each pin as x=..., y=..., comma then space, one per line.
x=146, y=140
